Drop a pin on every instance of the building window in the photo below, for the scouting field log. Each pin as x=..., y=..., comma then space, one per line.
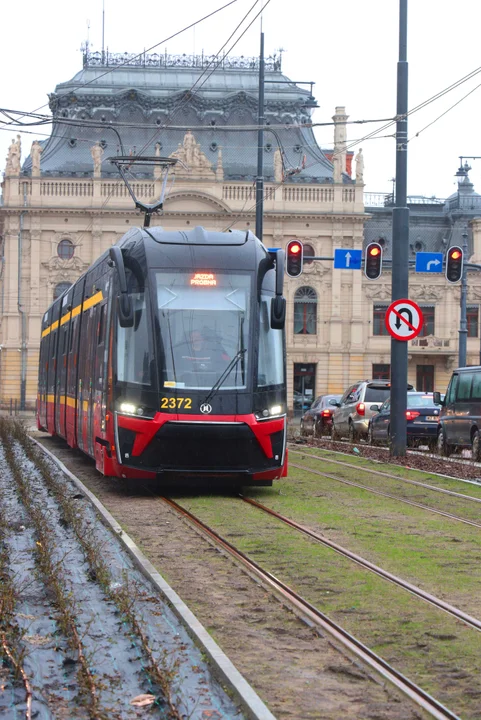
x=381, y=371
x=428, y=321
x=472, y=317
x=65, y=249
x=60, y=289
x=305, y=311
x=379, y=313
x=308, y=252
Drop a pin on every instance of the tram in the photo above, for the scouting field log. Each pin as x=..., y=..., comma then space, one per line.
x=167, y=358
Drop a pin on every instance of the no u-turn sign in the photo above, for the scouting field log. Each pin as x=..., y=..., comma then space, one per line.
x=404, y=319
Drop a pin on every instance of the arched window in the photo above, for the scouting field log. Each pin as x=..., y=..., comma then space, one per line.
x=308, y=253
x=60, y=289
x=65, y=249
x=305, y=311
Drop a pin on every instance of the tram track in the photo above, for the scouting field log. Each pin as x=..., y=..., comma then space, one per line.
x=319, y=620
x=352, y=647
x=390, y=476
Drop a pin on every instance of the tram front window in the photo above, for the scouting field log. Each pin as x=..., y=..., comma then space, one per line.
x=204, y=324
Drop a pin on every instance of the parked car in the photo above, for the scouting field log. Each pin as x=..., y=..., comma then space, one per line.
x=460, y=417
x=352, y=413
x=317, y=420
x=422, y=416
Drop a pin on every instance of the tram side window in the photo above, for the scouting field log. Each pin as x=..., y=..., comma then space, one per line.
x=134, y=351
x=270, y=368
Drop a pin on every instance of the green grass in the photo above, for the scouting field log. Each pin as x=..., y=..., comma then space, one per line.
x=426, y=644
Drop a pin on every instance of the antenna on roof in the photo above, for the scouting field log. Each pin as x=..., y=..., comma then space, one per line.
x=103, y=32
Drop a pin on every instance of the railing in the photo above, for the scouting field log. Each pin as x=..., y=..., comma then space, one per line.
x=64, y=188
x=431, y=342
x=308, y=194
x=387, y=200
x=241, y=192
x=464, y=202
x=108, y=59
x=118, y=189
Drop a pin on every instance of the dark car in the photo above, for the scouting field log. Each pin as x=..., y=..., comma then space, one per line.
x=317, y=420
x=422, y=416
x=460, y=418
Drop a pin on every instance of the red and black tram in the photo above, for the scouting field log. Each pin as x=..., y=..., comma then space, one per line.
x=167, y=358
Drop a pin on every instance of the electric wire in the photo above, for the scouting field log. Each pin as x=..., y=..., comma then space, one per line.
x=162, y=42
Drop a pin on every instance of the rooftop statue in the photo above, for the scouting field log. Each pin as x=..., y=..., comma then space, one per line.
x=359, y=159
x=336, y=164
x=97, y=151
x=190, y=155
x=13, y=157
x=35, y=152
x=278, y=166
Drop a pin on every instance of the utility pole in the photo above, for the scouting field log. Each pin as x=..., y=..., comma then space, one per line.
x=400, y=246
x=463, y=325
x=260, y=148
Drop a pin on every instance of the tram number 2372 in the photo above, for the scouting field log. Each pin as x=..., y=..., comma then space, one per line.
x=175, y=403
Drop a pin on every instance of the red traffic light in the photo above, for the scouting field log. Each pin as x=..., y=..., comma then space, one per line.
x=294, y=258
x=454, y=264
x=373, y=261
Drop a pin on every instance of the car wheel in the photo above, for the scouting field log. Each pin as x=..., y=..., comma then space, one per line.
x=370, y=435
x=318, y=429
x=476, y=447
x=442, y=446
x=352, y=434
x=334, y=434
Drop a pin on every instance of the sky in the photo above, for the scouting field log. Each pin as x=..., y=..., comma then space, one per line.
x=349, y=50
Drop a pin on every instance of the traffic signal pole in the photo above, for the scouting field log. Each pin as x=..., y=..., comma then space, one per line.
x=400, y=246
x=463, y=325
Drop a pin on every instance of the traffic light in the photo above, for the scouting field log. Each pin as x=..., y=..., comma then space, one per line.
x=373, y=261
x=454, y=264
x=295, y=258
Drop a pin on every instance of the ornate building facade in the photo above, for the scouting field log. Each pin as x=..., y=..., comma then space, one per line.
x=66, y=204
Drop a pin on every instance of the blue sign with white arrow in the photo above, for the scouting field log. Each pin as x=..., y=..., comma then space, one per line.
x=429, y=262
x=348, y=259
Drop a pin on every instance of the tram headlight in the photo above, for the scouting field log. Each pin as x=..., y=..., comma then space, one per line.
x=266, y=414
x=128, y=408
x=139, y=410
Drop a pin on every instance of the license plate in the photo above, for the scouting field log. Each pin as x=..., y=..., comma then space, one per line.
x=432, y=417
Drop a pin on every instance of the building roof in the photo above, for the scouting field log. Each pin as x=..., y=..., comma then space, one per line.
x=181, y=92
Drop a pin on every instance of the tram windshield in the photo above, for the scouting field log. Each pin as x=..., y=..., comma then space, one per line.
x=204, y=325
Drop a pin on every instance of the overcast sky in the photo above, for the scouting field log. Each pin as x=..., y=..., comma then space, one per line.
x=348, y=49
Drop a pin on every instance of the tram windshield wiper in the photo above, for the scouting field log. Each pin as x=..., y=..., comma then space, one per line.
x=223, y=377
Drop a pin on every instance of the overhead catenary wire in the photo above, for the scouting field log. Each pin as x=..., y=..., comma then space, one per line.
x=139, y=55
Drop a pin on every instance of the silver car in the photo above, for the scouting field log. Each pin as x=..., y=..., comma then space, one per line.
x=353, y=411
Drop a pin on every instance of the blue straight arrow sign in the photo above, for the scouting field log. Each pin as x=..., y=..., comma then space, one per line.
x=429, y=262
x=347, y=259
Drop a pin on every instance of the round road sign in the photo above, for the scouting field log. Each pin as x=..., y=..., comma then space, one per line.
x=404, y=319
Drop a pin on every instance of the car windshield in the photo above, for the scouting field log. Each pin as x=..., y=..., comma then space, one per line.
x=415, y=401
x=204, y=324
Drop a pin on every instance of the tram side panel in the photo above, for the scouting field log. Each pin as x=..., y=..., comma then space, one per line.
x=52, y=368
x=72, y=363
x=43, y=371
x=62, y=365
x=98, y=429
